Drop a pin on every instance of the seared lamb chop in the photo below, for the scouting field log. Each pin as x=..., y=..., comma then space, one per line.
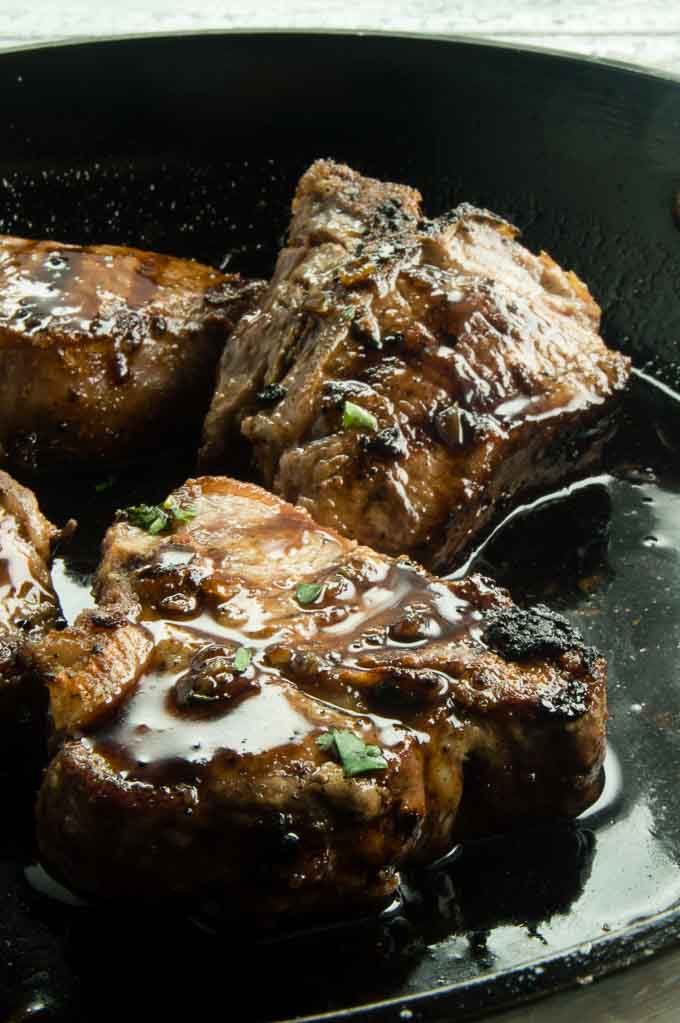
x=406, y=380
x=106, y=352
x=29, y=607
x=263, y=713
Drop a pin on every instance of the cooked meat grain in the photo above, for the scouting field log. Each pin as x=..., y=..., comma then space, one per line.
x=263, y=714
x=107, y=352
x=406, y=380
x=29, y=607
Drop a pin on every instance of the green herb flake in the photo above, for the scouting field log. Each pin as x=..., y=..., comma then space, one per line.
x=242, y=658
x=355, y=756
x=326, y=742
x=156, y=518
x=354, y=417
x=307, y=593
x=179, y=514
x=150, y=517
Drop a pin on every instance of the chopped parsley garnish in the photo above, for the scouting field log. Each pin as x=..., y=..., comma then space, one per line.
x=150, y=517
x=307, y=593
x=272, y=393
x=354, y=417
x=354, y=755
x=105, y=484
x=180, y=514
x=156, y=518
x=242, y=658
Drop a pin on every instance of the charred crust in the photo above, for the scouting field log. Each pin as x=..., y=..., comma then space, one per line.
x=172, y=588
x=568, y=703
x=388, y=443
x=366, y=330
x=466, y=211
x=108, y=619
x=336, y=392
x=520, y=635
x=391, y=208
x=411, y=687
x=272, y=394
x=390, y=216
x=455, y=426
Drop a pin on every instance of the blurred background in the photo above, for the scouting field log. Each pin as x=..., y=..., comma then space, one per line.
x=646, y=33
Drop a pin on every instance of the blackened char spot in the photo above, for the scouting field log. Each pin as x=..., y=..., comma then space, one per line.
x=519, y=634
x=336, y=392
x=411, y=687
x=389, y=443
x=271, y=394
x=366, y=329
x=570, y=702
x=390, y=217
x=456, y=426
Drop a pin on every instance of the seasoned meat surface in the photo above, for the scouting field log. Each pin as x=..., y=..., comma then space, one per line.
x=475, y=366
x=29, y=607
x=268, y=716
x=106, y=352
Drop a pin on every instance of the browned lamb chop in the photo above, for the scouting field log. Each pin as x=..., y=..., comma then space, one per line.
x=263, y=714
x=406, y=380
x=29, y=607
x=107, y=352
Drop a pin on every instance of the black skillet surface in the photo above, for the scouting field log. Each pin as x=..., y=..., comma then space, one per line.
x=192, y=145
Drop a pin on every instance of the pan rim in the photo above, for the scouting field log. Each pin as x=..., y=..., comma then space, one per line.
x=481, y=42
x=605, y=955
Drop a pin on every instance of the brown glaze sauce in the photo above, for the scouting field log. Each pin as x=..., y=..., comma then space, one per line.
x=48, y=282
x=436, y=309
x=112, y=298
x=307, y=663
x=22, y=594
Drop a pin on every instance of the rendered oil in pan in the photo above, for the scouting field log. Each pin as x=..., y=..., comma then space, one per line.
x=606, y=551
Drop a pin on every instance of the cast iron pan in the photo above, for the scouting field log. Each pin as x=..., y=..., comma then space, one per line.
x=192, y=145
